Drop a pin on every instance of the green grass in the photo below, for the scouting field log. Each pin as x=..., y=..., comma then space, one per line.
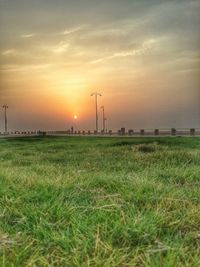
x=79, y=201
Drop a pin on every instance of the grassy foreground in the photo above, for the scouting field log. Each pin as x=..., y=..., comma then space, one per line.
x=78, y=201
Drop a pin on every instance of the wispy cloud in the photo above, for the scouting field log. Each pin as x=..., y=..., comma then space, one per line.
x=146, y=46
x=30, y=35
x=8, y=52
x=59, y=48
x=24, y=68
x=72, y=30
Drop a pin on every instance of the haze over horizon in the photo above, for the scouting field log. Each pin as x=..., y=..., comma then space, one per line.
x=142, y=56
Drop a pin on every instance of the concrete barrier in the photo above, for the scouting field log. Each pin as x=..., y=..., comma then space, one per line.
x=142, y=132
x=192, y=132
x=123, y=131
x=130, y=132
x=156, y=132
x=173, y=131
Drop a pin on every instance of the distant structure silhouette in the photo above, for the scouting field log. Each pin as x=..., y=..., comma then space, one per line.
x=96, y=107
x=6, y=121
x=104, y=119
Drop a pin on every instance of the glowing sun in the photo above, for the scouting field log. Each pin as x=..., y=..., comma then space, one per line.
x=75, y=117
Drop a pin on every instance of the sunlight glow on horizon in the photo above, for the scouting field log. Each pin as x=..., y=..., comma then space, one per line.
x=143, y=55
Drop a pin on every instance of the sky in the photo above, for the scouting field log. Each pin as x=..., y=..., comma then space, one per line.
x=142, y=56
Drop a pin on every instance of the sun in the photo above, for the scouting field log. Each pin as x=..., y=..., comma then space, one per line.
x=75, y=117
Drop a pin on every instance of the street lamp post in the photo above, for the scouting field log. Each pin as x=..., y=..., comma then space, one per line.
x=104, y=119
x=96, y=107
x=75, y=123
x=6, y=122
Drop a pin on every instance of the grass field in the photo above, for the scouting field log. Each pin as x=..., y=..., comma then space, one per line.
x=80, y=201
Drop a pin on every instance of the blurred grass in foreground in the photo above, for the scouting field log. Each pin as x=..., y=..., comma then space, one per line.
x=84, y=201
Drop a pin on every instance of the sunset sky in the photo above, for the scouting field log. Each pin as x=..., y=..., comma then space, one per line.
x=142, y=56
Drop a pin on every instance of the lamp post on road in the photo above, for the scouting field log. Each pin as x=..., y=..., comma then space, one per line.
x=75, y=123
x=104, y=119
x=6, y=122
x=96, y=107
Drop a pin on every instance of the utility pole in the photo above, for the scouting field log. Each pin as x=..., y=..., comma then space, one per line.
x=6, y=122
x=104, y=119
x=96, y=107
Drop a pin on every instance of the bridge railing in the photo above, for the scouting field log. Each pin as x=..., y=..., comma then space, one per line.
x=120, y=132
